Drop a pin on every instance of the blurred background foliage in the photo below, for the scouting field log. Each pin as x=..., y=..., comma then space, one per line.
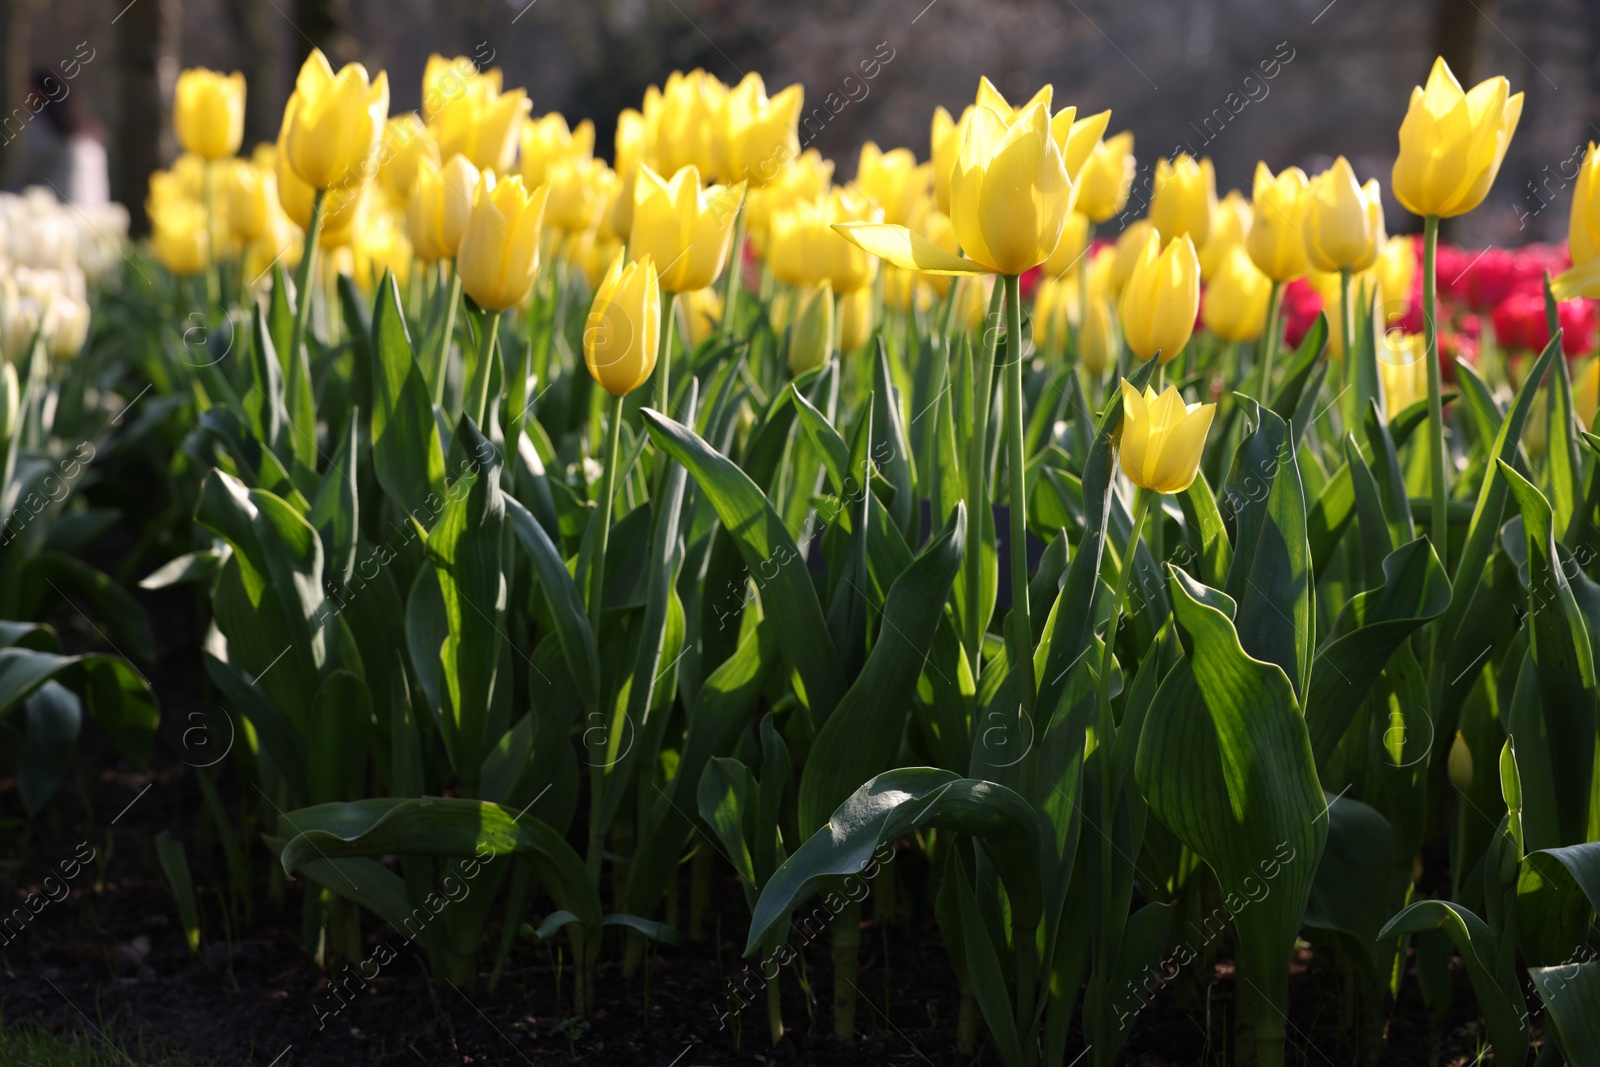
x=1285, y=81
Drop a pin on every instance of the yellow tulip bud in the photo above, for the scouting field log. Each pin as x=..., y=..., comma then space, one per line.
x=243, y=198
x=629, y=145
x=546, y=141
x=1230, y=227
x=623, y=330
x=1343, y=222
x=380, y=246
x=1278, y=206
x=811, y=340
x=1129, y=247
x=436, y=213
x=1051, y=300
x=1395, y=271
x=1236, y=299
x=1452, y=143
x=580, y=189
x=1403, y=368
x=280, y=240
x=763, y=135
x=687, y=121
x=1583, y=234
x=702, y=311
x=1158, y=305
x=1586, y=392
x=944, y=143
x=178, y=236
x=894, y=180
x=445, y=81
x=1097, y=338
x=1070, y=249
x=991, y=98
x=855, y=320
x=499, y=254
x=208, y=112
x=406, y=143
x=685, y=229
x=1460, y=765
x=1184, y=199
x=805, y=250
x=807, y=178
x=1106, y=177
x=333, y=122
x=1009, y=191
x=1162, y=438
x=482, y=124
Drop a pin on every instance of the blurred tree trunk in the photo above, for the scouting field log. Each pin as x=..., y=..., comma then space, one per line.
x=15, y=23
x=147, y=69
x=256, y=26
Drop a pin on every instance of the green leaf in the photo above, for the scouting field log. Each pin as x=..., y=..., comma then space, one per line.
x=1366, y=634
x=405, y=446
x=118, y=697
x=984, y=969
x=263, y=404
x=770, y=555
x=175, y=865
x=863, y=734
x=1498, y=996
x=1558, y=892
x=51, y=719
x=337, y=739
x=1570, y=993
x=1270, y=578
x=1225, y=763
x=891, y=451
x=578, y=645
x=893, y=805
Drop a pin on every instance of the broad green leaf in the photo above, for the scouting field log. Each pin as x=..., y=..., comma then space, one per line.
x=862, y=735
x=1366, y=634
x=1499, y=998
x=50, y=719
x=770, y=556
x=1558, y=892
x=117, y=696
x=337, y=739
x=984, y=969
x=405, y=447
x=566, y=603
x=1225, y=763
x=264, y=403
x=893, y=805
x=1570, y=993
x=891, y=451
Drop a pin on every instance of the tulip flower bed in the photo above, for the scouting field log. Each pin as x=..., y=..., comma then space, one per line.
x=620, y=609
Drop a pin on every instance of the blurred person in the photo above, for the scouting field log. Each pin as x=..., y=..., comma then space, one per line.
x=65, y=147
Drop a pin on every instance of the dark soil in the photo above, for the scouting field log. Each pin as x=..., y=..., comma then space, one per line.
x=111, y=959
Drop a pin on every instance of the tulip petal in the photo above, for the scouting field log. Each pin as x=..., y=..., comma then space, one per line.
x=1175, y=470
x=1582, y=279
x=905, y=248
x=1135, y=433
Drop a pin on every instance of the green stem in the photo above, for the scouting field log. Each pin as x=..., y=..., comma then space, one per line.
x=608, y=489
x=1016, y=462
x=1270, y=348
x=846, y=929
x=213, y=283
x=735, y=275
x=442, y=360
x=1352, y=372
x=486, y=353
x=977, y=488
x=1438, y=530
x=663, y=375
x=302, y=283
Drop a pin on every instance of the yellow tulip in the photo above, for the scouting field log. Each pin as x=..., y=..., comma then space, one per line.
x=702, y=311
x=1278, y=205
x=904, y=289
x=973, y=294
x=1097, y=338
x=208, y=112
x=296, y=195
x=1395, y=271
x=1184, y=199
x=406, y=143
x=380, y=246
x=686, y=229
x=894, y=180
x=339, y=229
x=482, y=124
x=1009, y=191
x=686, y=123
x=811, y=339
x=994, y=100
x=623, y=330
x=1162, y=438
x=1403, y=366
x=1077, y=138
x=592, y=252
x=280, y=241
x=1051, y=298
x=1106, y=178
x=855, y=319
x=1586, y=392
x=944, y=142
x=1070, y=249
x=499, y=254
x=805, y=250
x=240, y=201
x=1452, y=143
x=762, y=134
x=937, y=228
x=546, y=141
x=1343, y=221
x=333, y=122
x=1158, y=305
x=185, y=181
x=1129, y=247
x=1236, y=298
x=1583, y=233
x=629, y=146
x=446, y=80
x=436, y=214
x=178, y=236
x=580, y=189
x=806, y=178
x=1230, y=228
